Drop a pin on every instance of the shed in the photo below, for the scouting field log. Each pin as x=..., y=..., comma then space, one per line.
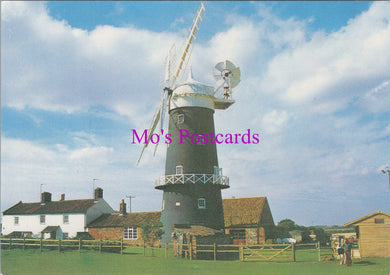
x=373, y=232
x=52, y=232
x=248, y=220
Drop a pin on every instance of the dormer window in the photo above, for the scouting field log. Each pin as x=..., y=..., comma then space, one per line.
x=180, y=119
x=179, y=170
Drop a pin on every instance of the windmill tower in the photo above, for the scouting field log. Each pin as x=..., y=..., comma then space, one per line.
x=193, y=180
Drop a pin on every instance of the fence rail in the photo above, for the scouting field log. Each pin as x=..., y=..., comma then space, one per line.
x=263, y=252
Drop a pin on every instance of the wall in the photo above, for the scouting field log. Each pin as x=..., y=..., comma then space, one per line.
x=32, y=223
x=116, y=233
x=101, y=207
x=374, y=239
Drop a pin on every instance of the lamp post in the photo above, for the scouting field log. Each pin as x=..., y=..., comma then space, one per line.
x=130, y=197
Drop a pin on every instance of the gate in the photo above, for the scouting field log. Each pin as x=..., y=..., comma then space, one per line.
x=268, y=252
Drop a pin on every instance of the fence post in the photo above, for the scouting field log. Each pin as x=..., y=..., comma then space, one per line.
x=293, y=252
x=190, y=249
x=166, y=250
x=143, y=245
x=10, y=243
x=100, y=246
x=241, y=253
x=215, y=251
x=59, y=245
x=79, y=245
x=40, y=244
x=319, y=251
x=122, y=246
x=24, y=242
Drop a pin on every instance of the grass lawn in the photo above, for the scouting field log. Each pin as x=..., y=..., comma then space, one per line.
x=32, y=261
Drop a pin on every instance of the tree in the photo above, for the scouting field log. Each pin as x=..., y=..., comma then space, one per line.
x=151, y=232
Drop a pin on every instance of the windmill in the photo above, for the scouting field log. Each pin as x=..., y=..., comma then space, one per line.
x=193, y=181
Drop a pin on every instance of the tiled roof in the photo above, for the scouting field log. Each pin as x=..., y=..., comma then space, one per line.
x=127, y=220
x=54, y=207
x=366, y=217
x=49, y=229
x=242, y=212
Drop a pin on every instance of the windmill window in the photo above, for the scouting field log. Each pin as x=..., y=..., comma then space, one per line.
x=177, y=204
x=180, y=119
x=179, y=170
x=201, y=203
x=16, y=220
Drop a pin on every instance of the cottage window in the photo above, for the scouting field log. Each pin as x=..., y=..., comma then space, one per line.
x=180, y=119
x=179, y=170
x=379, y=220
x=65, y=235
x=201, y=203
x=65, y=219
x=16, y=220
x=130, y=233
x=42, y=219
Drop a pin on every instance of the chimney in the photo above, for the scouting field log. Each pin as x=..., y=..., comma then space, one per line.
x=98, y=193
x=45, y=197
x=122, y=208
x=62, y=197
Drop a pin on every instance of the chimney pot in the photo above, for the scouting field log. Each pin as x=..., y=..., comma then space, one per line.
x=122, y=208
x=62, y=197
x=98, y=193
x=45, y=197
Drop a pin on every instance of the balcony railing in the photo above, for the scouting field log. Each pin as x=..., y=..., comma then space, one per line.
x=193, y=179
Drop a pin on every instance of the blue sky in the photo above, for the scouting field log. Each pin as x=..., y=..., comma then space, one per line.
x=77, y=77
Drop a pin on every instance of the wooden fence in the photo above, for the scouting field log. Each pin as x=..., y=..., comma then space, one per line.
x=263, y=252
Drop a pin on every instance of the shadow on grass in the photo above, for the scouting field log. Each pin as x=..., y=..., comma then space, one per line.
x=364, y=263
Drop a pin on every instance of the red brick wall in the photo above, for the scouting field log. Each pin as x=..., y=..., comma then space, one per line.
x=115, y=233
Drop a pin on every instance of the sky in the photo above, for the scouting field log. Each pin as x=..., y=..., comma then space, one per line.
x=78, y=77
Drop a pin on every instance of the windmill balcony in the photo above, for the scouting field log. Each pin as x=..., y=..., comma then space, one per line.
x=163, y=181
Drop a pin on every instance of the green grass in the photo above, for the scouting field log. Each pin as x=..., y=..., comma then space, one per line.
x=32, y=261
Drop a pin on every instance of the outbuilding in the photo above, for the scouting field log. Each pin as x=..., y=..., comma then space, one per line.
x=373, y=233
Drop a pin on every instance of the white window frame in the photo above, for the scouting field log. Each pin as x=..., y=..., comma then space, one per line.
x=16, y=220
x=65, y=219
x=201, y=203
x=130, y=233
x=180, y=118
x=65, y=235
x=42, y=219
x=179, y=170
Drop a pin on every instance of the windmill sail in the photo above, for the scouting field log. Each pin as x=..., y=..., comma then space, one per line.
x=167, y=91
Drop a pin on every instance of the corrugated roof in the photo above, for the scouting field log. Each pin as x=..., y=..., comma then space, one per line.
x=54, y=207
x=127, y=220
x=366, y=217
x=247, y=212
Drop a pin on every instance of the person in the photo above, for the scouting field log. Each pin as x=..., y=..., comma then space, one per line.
x=347, y=250
x=340, y=251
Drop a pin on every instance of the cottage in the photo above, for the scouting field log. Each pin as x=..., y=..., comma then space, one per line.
x=122, y=225
x=54, y=219
x=373, y=233
x=248, y=220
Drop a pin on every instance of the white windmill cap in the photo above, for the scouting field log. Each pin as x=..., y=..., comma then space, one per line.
x=193, y=93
